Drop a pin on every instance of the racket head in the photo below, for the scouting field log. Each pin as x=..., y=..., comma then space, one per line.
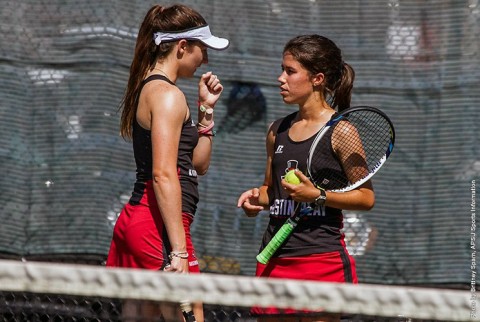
x=361, y=138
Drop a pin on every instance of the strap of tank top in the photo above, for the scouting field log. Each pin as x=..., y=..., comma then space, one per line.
x=156, y=76
x=285, y=123
x=150, y=78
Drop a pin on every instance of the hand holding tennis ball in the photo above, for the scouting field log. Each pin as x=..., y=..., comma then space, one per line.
x=291, y=177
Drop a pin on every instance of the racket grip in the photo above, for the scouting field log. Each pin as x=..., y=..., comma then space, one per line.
x=187, y=311
x=276, y=242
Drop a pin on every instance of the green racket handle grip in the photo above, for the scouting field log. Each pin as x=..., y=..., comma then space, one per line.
x=276, y=241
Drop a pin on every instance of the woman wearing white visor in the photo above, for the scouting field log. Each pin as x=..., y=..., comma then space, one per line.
x=170, y=149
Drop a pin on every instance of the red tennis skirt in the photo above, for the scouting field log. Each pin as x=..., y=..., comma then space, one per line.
x=334, y=267
x=140, y=239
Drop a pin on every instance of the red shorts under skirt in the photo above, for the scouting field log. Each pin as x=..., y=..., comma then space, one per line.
x=140, y=239
x=327, y=267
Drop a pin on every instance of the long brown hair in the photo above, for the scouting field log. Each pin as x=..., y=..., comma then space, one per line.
x=318, y=54
x=173, y=18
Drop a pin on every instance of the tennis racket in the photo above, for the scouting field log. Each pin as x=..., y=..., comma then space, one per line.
x=362, y=139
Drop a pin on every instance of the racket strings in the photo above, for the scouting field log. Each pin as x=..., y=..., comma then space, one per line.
x=359, y=142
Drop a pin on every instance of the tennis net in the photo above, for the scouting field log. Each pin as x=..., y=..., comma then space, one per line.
x=35, y=291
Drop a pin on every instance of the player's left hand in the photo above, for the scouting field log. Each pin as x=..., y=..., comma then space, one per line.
x=209, y=89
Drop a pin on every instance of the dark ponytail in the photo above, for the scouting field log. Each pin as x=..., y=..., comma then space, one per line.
x=342, y=94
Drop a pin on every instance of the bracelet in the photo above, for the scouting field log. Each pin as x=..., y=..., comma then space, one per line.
x=182, y=255
x=209, y=133
x=207, y=128
x=202, y=125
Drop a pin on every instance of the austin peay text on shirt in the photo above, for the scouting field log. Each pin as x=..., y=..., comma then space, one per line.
x=286, y=207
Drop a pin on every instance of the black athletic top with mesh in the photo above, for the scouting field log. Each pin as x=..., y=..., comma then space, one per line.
x=316, y=233
x=142, y=150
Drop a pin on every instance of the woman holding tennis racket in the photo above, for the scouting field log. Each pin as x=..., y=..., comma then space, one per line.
x=316, y=79
x=170, y=149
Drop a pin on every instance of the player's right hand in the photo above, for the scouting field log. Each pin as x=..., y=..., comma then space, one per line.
x=177, y=265
x=249, y=202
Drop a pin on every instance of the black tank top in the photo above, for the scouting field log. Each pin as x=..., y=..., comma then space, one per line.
x=142, y=150
x=320, y=231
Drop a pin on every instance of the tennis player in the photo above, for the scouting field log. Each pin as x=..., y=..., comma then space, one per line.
x=316, y=79
x=170, y=149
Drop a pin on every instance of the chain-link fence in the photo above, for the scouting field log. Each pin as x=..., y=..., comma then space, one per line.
x=66, y=172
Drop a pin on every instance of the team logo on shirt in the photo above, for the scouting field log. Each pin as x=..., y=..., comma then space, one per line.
x=291, y=165
x=279, y=149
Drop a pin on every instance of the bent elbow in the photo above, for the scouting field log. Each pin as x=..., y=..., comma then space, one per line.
x=369, y=203
x=369, y=206
x=202, y=169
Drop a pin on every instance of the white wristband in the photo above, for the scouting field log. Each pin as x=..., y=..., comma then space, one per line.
x=204, y=109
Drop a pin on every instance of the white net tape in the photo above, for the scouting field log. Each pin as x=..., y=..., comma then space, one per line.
x=239, y=291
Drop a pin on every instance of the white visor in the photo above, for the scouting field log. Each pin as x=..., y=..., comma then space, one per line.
x=202, y=34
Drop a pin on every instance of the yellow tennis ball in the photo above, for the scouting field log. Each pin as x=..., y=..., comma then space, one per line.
x=291, y=177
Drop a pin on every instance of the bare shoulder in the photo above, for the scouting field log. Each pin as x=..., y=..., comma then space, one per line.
x=270, y=139
x=344, y=128
x=160, y=94
x=161, y=103
x=345, y=134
